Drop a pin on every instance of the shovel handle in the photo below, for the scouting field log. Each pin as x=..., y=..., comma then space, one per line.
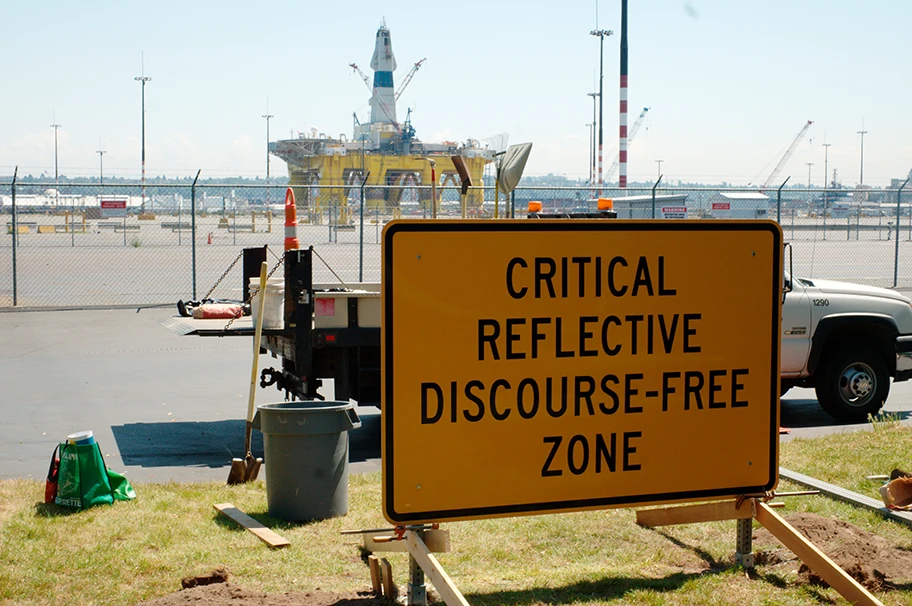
x=257, y=335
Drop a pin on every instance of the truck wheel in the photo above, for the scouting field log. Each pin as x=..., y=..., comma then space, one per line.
x=853, y=383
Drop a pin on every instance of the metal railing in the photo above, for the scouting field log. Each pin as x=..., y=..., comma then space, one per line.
x=106, y=245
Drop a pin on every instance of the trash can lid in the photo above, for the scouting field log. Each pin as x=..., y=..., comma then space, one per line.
x=307, y=417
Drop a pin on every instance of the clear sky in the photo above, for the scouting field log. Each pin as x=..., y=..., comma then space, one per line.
x=729, y=83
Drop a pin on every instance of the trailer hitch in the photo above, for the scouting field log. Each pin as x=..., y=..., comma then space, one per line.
x=291, y=384
x=269, y=376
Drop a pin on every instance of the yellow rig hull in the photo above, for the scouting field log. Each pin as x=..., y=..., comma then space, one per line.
x=338, y=178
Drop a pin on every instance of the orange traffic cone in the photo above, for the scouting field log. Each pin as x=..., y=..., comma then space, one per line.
x=209, y=238
x=291, y=222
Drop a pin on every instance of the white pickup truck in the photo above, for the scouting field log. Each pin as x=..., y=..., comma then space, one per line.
x=845, y=341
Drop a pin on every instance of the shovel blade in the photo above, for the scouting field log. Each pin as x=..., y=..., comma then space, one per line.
x=252, y=468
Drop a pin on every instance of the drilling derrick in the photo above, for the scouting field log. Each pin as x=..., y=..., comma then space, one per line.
x=381, y=150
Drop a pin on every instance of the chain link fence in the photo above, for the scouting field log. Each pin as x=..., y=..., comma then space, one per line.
x=107, y=245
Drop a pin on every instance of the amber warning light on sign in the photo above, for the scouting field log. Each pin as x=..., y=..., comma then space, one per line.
x=547, y=366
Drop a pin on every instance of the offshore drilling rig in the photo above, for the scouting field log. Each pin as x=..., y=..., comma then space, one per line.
x=384, y=150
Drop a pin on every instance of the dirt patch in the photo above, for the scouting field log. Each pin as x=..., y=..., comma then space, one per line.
x=227, y=594
x=213, y=589
x=872, y=560
x=219, y=575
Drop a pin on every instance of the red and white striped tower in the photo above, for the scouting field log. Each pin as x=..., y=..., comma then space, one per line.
x=622, y=146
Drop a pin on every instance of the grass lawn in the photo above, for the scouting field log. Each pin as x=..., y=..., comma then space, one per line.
x=141, y=549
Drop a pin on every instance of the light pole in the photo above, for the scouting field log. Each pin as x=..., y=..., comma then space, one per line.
x=592, y=139
x=101, y=153
x=143, y=78
x=267, y=115
x=56, y=186
x=826, y=158
x=659, y=162
x=809, y=165
x=601, y=33
x=591, y=126
x=862, y=132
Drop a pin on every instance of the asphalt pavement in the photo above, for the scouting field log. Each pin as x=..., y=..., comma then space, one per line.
x=162, y=407
x=165, y=407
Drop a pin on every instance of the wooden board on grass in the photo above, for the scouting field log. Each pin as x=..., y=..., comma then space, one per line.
x=262, y=532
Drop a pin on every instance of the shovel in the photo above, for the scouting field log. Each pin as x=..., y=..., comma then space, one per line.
x=247, y=469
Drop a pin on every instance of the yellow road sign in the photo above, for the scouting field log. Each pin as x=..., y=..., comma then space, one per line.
x=544, y=366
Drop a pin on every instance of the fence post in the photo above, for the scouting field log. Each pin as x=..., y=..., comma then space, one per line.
x=779, y=206
x=193, y=230
x=513, y=205
x=15, y=236
x=654, y=196
x=896, y=249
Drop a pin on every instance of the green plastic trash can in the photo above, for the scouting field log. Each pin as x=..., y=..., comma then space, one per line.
x=305, y=445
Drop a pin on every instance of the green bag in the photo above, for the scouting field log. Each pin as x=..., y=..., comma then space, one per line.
x=85, y=481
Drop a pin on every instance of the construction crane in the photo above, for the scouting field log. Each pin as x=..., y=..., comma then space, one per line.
x=785, y=158
x=633, y=131
x=408, y=78
x=383, y=106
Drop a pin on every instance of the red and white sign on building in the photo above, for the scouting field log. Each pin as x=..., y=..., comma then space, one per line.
x=721, y=210
x=674, y=212
x=113, y=207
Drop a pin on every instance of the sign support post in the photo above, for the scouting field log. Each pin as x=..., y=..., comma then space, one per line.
x=417, y=590
x=744, y=551
x=444, y=585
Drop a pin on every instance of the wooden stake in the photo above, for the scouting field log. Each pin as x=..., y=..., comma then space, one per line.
x=442, y=582
x=238, y=471
x=376, y=585
x=818, y=561
x=386, y=575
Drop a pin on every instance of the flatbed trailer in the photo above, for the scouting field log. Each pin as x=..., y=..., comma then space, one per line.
x=329, y=332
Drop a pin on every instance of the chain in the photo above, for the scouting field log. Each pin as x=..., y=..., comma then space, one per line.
x=254, y=291
x=222, y=277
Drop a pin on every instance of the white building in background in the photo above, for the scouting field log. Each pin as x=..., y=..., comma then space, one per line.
x=667, y=206
x=740, y=205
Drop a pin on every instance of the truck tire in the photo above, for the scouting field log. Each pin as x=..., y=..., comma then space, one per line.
x=852, y=383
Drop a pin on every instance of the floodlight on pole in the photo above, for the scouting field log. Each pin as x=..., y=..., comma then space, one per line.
x=594, y=96
x=268, y=116
x=56, y=186
x=143, y=78
x=591, y=126
x=862, y=132
x=826, y=195
x=601, y=33
x=659, y=162
x=101, y=153
x=809, y=165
